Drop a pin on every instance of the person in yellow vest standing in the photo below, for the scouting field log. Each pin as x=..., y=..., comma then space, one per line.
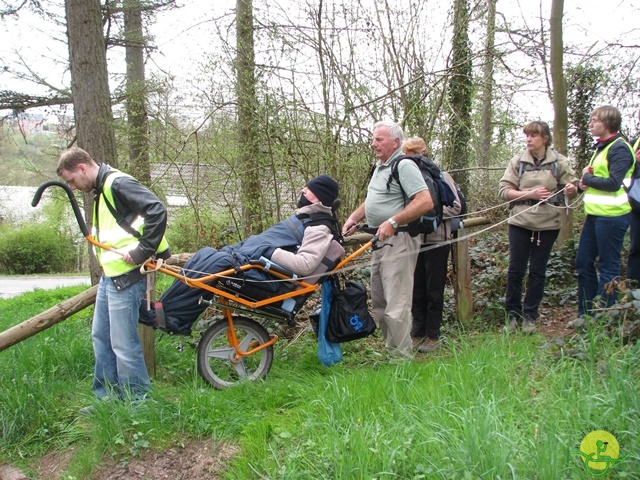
x=132, y=220
x=633, y=260
x=607, y=209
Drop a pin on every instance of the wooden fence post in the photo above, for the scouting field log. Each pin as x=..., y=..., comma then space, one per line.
x=146, y=333
x=462, y=284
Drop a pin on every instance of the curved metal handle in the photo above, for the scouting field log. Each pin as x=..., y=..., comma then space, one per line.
x=72, y=199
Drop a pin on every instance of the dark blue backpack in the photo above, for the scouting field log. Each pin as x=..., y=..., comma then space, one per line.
x=441, y=192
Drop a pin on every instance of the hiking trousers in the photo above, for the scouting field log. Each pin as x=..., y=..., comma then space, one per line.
x=428, y=291
x=601, y=241
x=392, y=267
x=527, y=249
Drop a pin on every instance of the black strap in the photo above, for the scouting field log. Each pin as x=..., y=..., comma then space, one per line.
x=320, y=218
x=120, y=219
x=535, y=202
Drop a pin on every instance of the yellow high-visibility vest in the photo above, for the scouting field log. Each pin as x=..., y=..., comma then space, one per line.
x=109, y=232
x=607, y=204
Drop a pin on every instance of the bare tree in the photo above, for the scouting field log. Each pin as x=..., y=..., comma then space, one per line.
x=136, y=92
x=247, y=124
x=460, y=91
x=560, y=119
x=486, y=127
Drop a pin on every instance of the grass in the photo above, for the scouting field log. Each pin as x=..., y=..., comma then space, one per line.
x=485, y=406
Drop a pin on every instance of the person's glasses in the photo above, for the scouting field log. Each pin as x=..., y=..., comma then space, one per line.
x=593, y=121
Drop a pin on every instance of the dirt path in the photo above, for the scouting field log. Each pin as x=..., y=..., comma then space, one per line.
x=13, y=285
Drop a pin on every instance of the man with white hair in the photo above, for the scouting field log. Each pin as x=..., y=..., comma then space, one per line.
x=388, y=210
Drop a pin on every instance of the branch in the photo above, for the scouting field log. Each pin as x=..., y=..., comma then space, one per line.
x=10, y=100
x=12, y=10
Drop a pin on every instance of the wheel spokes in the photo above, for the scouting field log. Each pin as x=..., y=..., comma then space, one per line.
x=226, y=353
x=240, y=369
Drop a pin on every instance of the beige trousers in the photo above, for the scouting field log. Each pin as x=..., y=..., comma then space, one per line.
x=392, y=268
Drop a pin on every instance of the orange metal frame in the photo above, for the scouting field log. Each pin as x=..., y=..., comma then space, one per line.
x=226, y=297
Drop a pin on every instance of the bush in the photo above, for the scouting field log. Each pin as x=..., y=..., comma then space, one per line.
x=36, y=249
x=187, y=232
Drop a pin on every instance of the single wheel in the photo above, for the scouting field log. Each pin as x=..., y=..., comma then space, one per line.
x=216, y=357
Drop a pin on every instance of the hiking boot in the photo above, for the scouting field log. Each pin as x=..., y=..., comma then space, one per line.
x=416, y=341
x=528, y=326
x=512, y=326
x=429, y=345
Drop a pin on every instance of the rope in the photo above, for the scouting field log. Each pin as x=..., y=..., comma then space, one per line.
x=347, y=268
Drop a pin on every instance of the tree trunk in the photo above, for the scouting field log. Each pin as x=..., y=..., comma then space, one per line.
x=460, y=90
x=560, y=120
x=90, y=90
x=138, y=141
x=247, y=120
x=486, y=128
x=136, y=93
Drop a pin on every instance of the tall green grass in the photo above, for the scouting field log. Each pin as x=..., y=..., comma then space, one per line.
x=485, y=406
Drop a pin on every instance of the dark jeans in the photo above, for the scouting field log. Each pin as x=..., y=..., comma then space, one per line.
x=633, y=262
x=428, y=292
x=532, y=249
x=601, y=239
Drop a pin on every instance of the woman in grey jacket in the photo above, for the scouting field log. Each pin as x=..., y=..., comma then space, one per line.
x=534, y=182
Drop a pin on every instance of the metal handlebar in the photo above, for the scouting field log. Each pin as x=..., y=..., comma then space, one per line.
x=72, y=199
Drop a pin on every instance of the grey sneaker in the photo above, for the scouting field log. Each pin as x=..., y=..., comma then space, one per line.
x=512, y=326
x=429, y=345
x=576, y=324
x=528, y=326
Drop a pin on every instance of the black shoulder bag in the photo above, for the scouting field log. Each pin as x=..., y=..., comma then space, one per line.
x=349, y=317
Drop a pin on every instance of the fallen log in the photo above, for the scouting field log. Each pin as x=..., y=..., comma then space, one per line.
x=61, y=312
x=47, y=319
x=179, y=259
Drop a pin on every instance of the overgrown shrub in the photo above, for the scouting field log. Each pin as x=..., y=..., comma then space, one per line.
x=188, y=232
x=36, y=248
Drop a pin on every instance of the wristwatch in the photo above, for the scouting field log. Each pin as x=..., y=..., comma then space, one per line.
x=393, y=223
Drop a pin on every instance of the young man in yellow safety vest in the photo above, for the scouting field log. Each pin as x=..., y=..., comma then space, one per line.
x=132, y=220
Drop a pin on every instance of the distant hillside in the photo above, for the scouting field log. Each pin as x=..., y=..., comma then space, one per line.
x=28, y=158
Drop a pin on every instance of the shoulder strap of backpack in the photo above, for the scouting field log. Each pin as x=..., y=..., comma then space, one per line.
x=394, y=175
x=320, y=218
x=527, y=167
x=119, y=218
